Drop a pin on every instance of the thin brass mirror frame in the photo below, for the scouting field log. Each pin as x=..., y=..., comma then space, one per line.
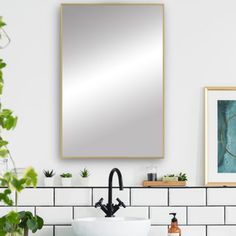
x=207, y=183
x=61, y=81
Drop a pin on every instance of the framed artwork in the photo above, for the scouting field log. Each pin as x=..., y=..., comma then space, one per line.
x=220, y=136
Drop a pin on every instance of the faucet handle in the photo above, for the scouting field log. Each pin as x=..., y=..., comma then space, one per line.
x=120, y=203
x=99, y=203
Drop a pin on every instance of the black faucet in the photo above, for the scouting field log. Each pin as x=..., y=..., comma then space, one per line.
x=110, y=209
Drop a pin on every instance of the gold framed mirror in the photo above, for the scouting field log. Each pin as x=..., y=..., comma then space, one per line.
x=112, y=80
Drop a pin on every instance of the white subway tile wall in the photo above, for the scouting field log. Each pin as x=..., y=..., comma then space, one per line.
x=55, y=215
x=221, y=196
x=205, y=215
x=221, y=230
x=36, y=197
x=73, y=197
x=193, y=230
x=201, y=211
x=188, y=197
x=149, y=197
x=80, y=212
x=64, y=231
x=230, y=215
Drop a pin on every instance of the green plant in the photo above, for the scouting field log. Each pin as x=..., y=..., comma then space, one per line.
x=20, y=222
x=7, y=120
x=48, y=173
x=14, y=222
x=182, y=177
x=171, y=175
x=84, y=173
x=66, y=175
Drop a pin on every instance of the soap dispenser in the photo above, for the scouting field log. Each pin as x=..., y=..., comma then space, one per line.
x=174, y=229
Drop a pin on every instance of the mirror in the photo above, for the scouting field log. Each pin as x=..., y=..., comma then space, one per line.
x=112, y=81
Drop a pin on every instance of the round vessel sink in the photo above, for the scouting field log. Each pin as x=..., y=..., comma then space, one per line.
x=114, y=226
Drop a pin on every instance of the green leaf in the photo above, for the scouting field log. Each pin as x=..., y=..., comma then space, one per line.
x=7, y=120
x=1, y=76
x=31, y=177
x=8, y=176
x=18, y=184
x=2, y=65
x=13, y=217
x=6, y=112
x=1, y=88
x=3, y=143
x=5, y=197
x=15, y=122
x=32, y=224
x=10, y=121
x=40, y=222
x=3, y=182
x=3, y=152
x=2, y=23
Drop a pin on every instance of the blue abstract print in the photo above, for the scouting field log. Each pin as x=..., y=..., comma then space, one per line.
x=226, y=136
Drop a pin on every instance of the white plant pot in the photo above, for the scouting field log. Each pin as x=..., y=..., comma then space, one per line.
x=84, y=181
x=170, y=179
x=66, y=182
x=48, y=181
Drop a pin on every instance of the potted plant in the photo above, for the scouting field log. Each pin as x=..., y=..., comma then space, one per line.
x=170, y=178
x=48, y=177
x=182, y=177
x=84, y=174
x=66, y=179
x=14, y=223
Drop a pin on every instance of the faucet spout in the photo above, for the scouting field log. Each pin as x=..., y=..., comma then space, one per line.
x=119, y=178
x=110, y=205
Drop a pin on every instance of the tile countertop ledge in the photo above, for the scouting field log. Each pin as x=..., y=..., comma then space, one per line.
x=129, y=187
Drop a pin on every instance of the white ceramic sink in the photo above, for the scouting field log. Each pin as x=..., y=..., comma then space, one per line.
x=114, y=226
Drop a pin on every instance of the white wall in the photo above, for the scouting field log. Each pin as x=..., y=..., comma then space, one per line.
x=200, y=51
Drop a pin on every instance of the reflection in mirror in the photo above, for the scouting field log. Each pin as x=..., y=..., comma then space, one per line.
x=112, y=80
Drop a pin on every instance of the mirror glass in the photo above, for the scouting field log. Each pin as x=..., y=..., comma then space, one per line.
x=112, y=81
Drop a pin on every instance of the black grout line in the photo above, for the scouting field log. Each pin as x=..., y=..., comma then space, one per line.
x=57, y=224
x=54, y=231
x=168, y=197
x=54, y=197
x=63, y=206
x=206, y=230
x=130, y=198
x=135, y=187
x=92, y=197
x=73, y=212
x=224, y=215
x=190, y=206
x=186, y=215
x=149, y=212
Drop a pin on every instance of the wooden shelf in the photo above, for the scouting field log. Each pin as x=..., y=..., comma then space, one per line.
x=164, y=183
